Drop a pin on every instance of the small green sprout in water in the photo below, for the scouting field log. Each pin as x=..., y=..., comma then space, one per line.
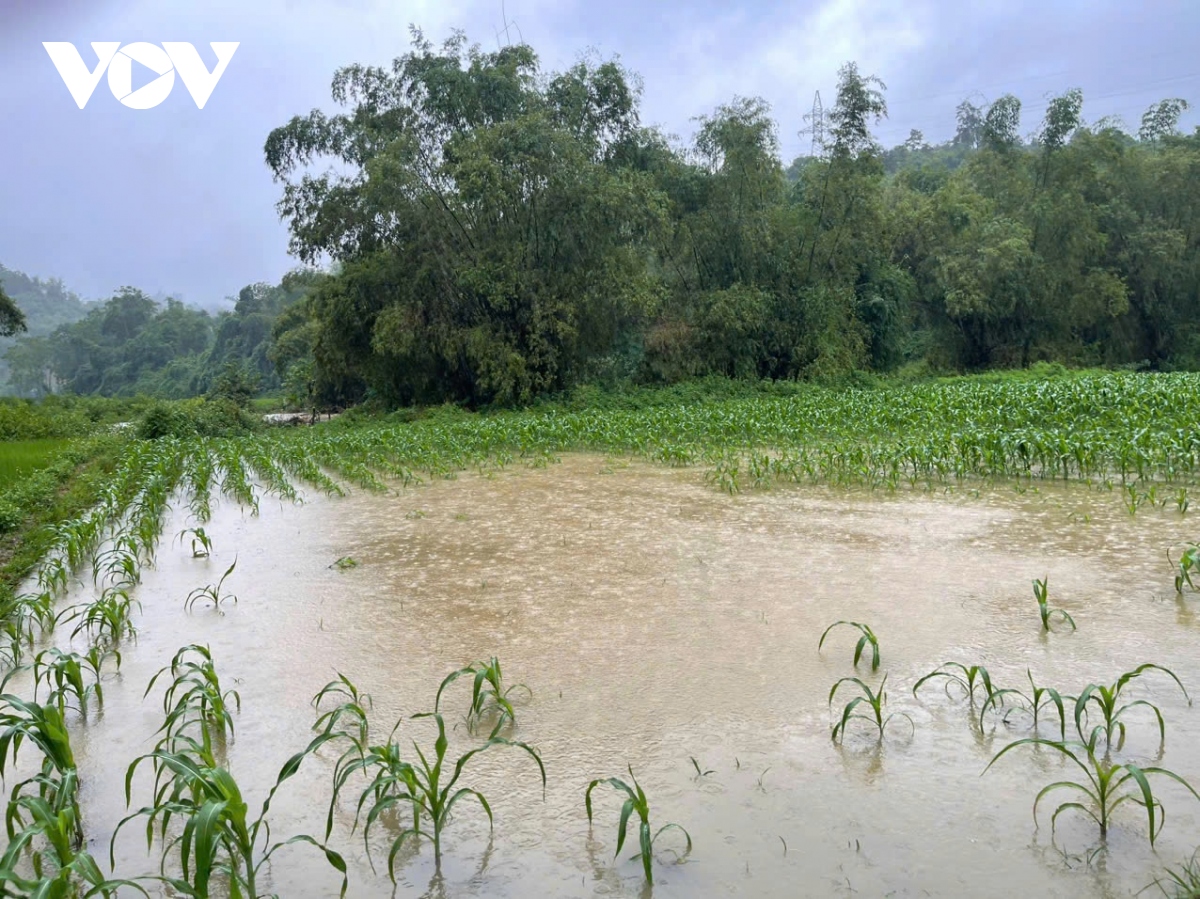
x=1107, y=702
x=489, y=695
x=1106, y=785
x=1186, y=568
x=107, y=620
x=69, y=674
x=1041, y=594
x=201, y=542
x=966, y=678
x=868, y=638
x=345, y=563
x=635, y=801
x=1183, y=881
x=395, y=782
x=1033, y=702
x=873, y=700
x=1181, y=501
x=1133, y=499
x=212, y=593
x=699, y=771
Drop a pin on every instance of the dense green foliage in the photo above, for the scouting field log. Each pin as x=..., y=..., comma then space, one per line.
x=497, y=234
x=503, y=233
x=134, y=345
x=30, y=306
x=12, y=319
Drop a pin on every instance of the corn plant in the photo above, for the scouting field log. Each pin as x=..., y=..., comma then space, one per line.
x=69, y=674
x=968, y=678
x=217, y=838
x=213, y=593
x=200, y=541
x=105, y=621
x=195, y=700
x=874, y=701
x=348, y=721
x=1041, y=594
x=56, y=781
x=1108, y=703
x=43, y=726
x=65, y=871
x=118, y=565
x=50, y=819
x=1106, y=786
x=395, y=783
x=45, y=828
x=489, y=695
x=54, y=576
x=1033, y=702
x=1183, y=881
x=635, y=801
x=355, y=706
x=22, y=616
x=867, y=638
x=1133, y=499
x=1186, y=567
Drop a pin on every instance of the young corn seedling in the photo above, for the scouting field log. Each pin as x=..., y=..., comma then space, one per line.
x=1133, y=499
x=1033, y=702
x=1186, y=568
x=68, y=675
x=201, y=542
x=422, y=786
x=57, y=781
x=1041, y=594
x=489, y=695
x=61, y=869
x=119, y=566
x=1183, y=881
x=347, y=721
x=1108, y=703
x=218, y=840
x=635, y=801
x=867, y=639
x=106, y=621
x=213, y=593
x=195, y=701
x=873, y=700
x=1105, y=787
x=969, y=679
x=354, y=706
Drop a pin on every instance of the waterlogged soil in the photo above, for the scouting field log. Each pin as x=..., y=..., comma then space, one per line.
x=655, y=620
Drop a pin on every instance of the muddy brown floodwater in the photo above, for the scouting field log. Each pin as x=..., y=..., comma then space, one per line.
x=656, y=619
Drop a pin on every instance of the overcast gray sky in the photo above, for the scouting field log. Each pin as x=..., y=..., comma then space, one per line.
x=178, y=200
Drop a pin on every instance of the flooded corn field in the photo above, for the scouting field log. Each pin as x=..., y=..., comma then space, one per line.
x=665, y=626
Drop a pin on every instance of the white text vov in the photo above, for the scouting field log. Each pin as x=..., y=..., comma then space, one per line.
x=117, y=60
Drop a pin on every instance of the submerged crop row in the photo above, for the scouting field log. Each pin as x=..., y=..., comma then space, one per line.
x=1130, y=429
x=1138, y=431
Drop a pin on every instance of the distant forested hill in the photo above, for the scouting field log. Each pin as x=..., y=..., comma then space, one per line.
x=46, y=304
x=132, y=343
